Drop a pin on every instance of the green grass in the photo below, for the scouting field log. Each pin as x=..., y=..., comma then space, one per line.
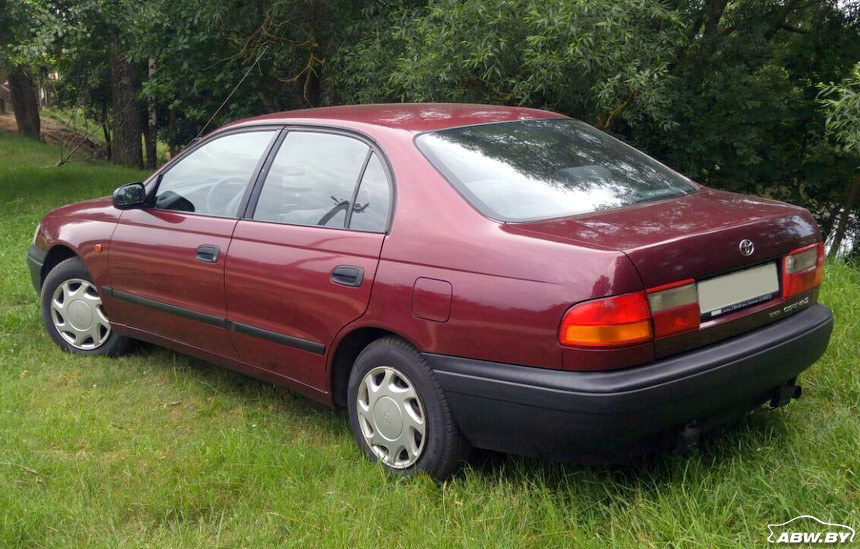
x=158, y=449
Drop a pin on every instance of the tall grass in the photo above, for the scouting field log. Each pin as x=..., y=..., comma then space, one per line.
x=158, y=449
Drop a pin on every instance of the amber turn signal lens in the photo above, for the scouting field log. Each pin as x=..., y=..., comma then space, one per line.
x=608, y=322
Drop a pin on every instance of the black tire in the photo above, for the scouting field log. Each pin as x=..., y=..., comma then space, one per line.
x=444, y=447
x=74, y=268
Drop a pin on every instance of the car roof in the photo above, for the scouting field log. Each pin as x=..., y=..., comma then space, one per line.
x=413, y=117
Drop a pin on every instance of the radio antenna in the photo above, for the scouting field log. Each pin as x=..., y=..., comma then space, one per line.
x=236, y=87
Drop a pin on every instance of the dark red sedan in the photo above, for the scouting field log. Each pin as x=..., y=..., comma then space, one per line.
x=453, y=275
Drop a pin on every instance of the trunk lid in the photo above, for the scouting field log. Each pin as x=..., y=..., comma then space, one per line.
x=693, y=236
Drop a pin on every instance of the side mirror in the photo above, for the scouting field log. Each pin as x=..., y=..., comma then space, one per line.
x=129, y=196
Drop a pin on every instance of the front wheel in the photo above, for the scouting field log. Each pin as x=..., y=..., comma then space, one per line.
x=73, y=314
x=398, y=413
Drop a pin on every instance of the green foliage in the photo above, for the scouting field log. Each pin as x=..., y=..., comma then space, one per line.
x=195, y=69
x=28, y=28
x=85, y=84
x=841, y=102
x=88, y=27
x=744, y=102
x=594, y=60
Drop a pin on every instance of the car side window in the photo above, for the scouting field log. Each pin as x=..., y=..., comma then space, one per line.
x=312, y=180
x=212, y=179
x=370, y=211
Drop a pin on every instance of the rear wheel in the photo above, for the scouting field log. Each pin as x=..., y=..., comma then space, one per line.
x=398, y=413
x=73, y=313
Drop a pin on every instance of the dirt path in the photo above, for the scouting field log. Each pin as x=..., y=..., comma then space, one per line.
x=54, y=131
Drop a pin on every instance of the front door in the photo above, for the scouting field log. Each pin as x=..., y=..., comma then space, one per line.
x=167, y=261
x=301, y=264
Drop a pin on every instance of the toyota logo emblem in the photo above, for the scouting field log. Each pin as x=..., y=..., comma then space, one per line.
x=746, y=247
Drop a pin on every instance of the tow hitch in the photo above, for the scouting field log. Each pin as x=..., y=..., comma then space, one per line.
x=688, y=436
x=784, y=393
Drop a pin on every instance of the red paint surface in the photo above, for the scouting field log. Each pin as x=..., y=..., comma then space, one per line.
x=431, y=299
x=279, y=279
x=152, y=255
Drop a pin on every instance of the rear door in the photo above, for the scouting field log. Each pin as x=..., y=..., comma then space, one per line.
x=167, y=261
x=302, y=261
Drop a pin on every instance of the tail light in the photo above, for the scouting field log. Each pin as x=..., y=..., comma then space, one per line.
x=670, y=309
x=674, y=308
x=609, y=322
x=627, y=319
x=802, y=270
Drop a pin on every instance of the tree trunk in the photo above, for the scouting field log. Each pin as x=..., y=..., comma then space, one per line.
x=106, y=132
x=149, y=143
x=713, y=13
x=125, y=110
x=25, y=102
x=105, y=122
x=173, y=148
x=828, y=221
x=313, y=89
x=151, y=135
x=851, y=198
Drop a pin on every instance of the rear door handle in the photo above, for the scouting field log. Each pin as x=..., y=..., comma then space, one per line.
x=207, y=253
x=347, y=275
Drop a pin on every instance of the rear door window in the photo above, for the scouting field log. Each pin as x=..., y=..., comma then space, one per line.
x=312, y=180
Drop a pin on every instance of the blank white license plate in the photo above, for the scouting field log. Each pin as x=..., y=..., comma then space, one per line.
x=727, y=293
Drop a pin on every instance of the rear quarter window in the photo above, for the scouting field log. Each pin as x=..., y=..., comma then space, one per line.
x=373, y=201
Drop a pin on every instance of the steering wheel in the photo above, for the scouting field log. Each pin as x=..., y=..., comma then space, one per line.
x=339, y=205
x=233, y=206
x=214, y=190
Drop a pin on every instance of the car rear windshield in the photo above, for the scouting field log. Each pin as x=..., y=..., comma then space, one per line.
x=544, y=169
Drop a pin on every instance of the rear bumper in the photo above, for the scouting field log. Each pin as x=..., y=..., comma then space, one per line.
x=35, y=260
x=607, y=415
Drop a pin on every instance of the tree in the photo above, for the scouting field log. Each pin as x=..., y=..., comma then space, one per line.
x=602, y=61
x=85, y=81
x=125, y=107
x=203, y=48
x=25, y=31
x=25, y=102
x=96, y=48
x=744, y=100
x=841, y=102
